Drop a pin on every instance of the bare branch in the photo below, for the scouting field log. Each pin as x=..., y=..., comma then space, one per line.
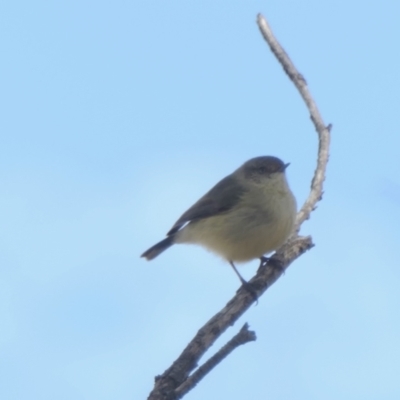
x=166, y=384
x=242, y=337
x=176, y=381
x=322, y=130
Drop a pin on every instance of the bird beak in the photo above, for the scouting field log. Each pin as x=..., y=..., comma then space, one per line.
x=286, y=165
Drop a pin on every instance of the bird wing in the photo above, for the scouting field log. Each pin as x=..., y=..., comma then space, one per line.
x=221, y=198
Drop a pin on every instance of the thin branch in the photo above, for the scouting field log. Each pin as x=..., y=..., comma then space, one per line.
x=322, y=130
x=166, y=384
x=176, y=381
x=242, y=337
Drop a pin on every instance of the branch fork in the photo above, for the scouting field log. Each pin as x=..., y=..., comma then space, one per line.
x=179, y=378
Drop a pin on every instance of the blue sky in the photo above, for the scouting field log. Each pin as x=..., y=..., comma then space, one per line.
x=116, y=117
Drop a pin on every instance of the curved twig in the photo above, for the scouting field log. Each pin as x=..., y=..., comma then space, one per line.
x=177, y=380
x=322, y=130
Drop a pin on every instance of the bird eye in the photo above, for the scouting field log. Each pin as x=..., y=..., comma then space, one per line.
x=262, y=170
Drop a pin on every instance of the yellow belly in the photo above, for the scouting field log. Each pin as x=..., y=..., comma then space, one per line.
x=240, y=235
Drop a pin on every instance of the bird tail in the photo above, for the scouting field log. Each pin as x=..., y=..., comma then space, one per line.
x=158, y=248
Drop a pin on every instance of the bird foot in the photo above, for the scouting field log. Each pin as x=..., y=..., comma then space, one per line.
x=271, y=262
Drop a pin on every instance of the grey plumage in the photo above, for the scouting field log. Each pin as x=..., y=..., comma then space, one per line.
x=247, y=214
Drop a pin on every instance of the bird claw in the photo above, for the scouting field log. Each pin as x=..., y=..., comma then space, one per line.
x=250, y=289
x=273, y=263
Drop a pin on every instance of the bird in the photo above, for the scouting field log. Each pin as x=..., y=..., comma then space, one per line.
x=249, y=213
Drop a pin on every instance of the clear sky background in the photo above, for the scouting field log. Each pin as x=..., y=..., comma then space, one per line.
x=116, y=117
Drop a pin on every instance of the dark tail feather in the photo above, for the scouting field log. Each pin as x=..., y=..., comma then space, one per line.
x=158, y=248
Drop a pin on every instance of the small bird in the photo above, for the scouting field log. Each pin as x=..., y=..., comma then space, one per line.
x=249, y=213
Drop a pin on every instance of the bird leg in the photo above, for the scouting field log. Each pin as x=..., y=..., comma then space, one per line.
x=237, y=273
x=245, y=284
